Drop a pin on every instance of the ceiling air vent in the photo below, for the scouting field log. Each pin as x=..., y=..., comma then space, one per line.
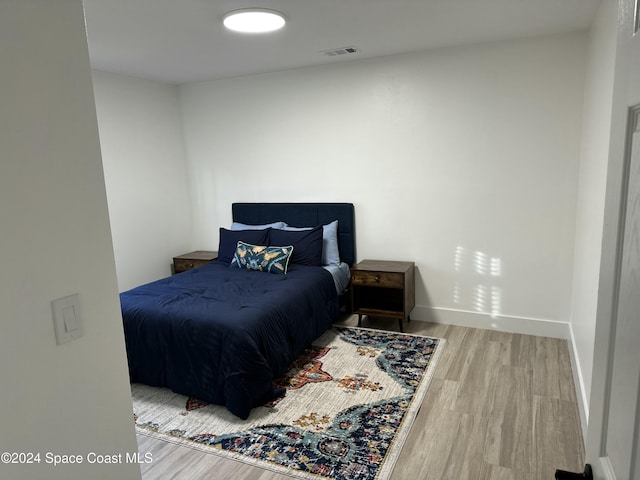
x=340, y=51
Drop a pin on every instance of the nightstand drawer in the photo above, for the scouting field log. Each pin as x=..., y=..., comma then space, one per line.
x=378, y=279
x=182, y=265
x=187, y=261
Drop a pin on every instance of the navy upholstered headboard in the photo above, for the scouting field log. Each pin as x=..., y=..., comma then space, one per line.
x=304, y=215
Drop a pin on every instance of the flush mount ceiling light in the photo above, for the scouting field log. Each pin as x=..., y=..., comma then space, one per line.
x=254, y=20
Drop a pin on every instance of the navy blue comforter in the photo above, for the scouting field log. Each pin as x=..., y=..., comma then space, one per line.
x=221, y=334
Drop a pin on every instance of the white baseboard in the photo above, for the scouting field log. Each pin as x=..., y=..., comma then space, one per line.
x=581, y=394
x=602, y=469
x=502, y=323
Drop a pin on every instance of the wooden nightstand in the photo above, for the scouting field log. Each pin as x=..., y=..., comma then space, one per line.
x=190, y=260
x=384, y=289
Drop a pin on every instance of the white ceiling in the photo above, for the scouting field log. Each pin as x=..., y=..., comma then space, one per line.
x=180, y=41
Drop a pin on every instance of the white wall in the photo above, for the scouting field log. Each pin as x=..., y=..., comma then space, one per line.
x=591, y=194
x=71, y=399
x=145, y=174
x=464, y=160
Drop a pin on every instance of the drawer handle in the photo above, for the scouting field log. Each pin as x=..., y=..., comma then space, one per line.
x=377, y=278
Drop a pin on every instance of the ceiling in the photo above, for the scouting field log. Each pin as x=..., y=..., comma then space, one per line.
x=181, y=41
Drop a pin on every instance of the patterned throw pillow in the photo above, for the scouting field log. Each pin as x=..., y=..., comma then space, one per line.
x=262, y=258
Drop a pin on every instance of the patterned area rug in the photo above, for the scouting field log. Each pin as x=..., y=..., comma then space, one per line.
x=351, y=400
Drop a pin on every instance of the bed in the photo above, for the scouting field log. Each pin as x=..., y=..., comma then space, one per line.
x=223, y=332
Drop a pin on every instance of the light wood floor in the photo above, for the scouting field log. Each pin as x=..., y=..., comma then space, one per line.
x=500, y=406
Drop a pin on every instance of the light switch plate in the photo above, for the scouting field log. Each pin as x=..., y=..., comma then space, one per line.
x=67, y=321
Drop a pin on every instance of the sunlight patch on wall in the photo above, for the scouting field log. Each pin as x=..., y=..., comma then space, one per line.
x=475, y=287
